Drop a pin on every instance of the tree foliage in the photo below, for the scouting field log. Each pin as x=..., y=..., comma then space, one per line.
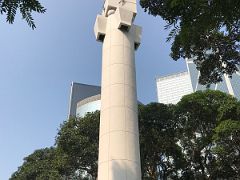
x=77, y=139
x=161, y=157
x=204, y=30
x=74, y=157
x=40, y=165
x=26, y=7
x=196, y=139
x=227, y=149
x=197, y=116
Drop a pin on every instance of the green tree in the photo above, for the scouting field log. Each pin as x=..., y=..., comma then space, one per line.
x=206, y=30
x=26, y=7
x=197, y=115
x=196, y=139
x=227, y=149
x=77, y=140
x=40, y=165
x=161, y=157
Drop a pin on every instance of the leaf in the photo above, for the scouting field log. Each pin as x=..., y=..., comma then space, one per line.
x=10, y=7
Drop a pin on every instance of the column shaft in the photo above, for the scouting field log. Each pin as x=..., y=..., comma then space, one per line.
x=119, y=156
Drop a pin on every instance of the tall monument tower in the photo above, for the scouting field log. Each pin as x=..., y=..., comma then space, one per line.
x=119, y=156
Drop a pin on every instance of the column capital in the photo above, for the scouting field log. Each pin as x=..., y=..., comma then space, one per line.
x=130, y=5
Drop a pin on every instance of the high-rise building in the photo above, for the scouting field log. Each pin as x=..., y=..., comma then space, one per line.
x=83, y=99
x=171, y=88
x=228, y=85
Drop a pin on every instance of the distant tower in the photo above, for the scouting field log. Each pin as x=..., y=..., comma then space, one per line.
x=119, y=156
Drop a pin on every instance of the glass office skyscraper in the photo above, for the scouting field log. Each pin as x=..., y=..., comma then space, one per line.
x=84, y=98
x=228, y=85
x=170, y=89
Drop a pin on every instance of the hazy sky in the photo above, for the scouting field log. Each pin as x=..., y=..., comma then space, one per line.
x=37, y=68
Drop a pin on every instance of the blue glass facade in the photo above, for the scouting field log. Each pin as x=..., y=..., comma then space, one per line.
x=228, y=85
x=235, y=81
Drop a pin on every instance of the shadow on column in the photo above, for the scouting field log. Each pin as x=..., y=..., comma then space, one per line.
x=124, y=170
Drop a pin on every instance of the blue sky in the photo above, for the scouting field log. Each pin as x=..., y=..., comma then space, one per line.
x=37, y=68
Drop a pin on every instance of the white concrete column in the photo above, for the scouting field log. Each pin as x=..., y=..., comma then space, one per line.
x=119, y=156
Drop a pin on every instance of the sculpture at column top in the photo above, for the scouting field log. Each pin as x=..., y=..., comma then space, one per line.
x=130, y=5
x=125, y=11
